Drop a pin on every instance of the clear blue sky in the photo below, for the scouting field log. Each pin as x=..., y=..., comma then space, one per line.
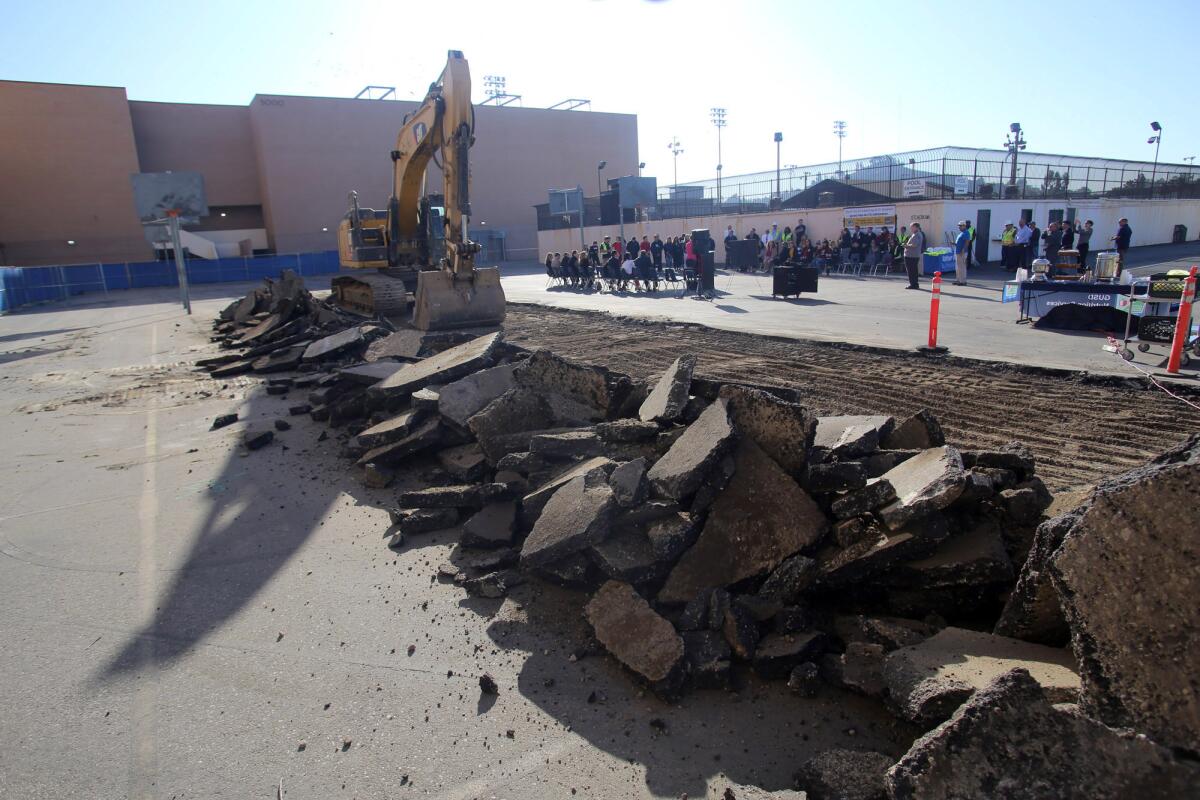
x=1082, y=78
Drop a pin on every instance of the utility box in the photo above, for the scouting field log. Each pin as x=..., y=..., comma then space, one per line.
x=1179, y=236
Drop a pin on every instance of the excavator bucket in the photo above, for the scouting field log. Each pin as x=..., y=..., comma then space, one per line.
x=445, y=302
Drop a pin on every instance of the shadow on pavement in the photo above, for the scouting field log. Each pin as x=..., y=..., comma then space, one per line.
x=14, y=337
x=759, y=734
x=262, y=507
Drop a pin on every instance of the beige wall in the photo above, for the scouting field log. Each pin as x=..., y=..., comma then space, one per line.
x=822, y=223
x=1153, y=221
x=210, y=139
x=313, y=151
x=66, y=154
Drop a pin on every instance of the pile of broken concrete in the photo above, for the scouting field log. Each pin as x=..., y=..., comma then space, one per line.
x=281, y=326
x=723, y=528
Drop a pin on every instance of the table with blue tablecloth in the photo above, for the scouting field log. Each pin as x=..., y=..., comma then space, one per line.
x=1084, y=306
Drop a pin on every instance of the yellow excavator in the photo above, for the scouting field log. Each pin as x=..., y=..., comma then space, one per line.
x=420, y=242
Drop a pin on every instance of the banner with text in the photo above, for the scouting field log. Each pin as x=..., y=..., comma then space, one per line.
x=870, y=216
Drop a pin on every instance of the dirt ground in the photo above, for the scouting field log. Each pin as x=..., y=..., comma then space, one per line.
x=1081, y=430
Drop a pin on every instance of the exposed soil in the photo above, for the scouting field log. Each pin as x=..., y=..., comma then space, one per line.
x=1081, y=428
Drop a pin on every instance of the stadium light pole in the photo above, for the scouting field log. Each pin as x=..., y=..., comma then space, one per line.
x=676, y=148
x=717, y=115
x=1156, y=140
x=1014, y=143
x=839, y=130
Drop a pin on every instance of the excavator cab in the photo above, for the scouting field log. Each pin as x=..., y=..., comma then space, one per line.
x=362, y=237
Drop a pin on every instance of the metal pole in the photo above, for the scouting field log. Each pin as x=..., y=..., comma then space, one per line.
x=975, y=179
x=778, y=190
x=1154, y=173
x=103, y=281
x=720, y=163
x=180, y=268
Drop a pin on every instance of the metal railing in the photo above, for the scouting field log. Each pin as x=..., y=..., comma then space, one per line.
x=25, y=286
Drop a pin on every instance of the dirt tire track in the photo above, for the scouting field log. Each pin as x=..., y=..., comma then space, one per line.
x=1080, y=430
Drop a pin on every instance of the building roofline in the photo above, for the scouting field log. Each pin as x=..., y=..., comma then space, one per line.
x=61, y=83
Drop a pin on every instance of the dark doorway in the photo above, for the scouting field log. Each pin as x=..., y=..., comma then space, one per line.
x=1056, y=215
x=983, y=234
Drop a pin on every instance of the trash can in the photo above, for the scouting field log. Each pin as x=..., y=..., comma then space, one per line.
x=938, y=259
x=1180, y=234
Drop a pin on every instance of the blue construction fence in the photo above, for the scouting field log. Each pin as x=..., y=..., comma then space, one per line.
x=25, y=286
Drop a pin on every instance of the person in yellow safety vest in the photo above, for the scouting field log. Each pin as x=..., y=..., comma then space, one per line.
x=1008, y=246
x=971, y=249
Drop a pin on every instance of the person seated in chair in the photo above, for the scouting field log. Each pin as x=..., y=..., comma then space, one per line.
x=645, y=270
x=612, y=270
x=627, y=273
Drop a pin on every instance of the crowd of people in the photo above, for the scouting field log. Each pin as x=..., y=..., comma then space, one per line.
x=619, y=265
x=643, y=264
x=853, y=250
x=1020, y=244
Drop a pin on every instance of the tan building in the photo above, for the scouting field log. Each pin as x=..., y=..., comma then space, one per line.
x=277, y=172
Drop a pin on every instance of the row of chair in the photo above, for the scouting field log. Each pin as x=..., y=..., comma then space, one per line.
x=593, y=279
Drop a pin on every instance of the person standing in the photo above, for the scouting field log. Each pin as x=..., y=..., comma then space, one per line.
x=1021, y=242
x=1068, y=236
x=971, y=247
x=618, y=245
x=1035, y=243
x=645, y=245
x=962, y=253
x=1085, y=239
x=800, y=231
x=758, y=245
x=845, y=245
x=632, y=247
x=1053, y=237
x=1008, y=247
x=656, y=252
x=913, y=248
x=730, y=236
x=1121, y=239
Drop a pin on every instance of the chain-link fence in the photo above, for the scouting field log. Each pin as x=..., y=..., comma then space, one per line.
x=941, y=173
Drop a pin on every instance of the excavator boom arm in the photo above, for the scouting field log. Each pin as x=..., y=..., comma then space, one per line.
x=444, y=123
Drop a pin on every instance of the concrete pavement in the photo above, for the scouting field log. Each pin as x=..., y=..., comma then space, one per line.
x=878, y=312
x=180, y=617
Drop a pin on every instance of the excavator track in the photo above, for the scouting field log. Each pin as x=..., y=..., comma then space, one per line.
x=372, y=294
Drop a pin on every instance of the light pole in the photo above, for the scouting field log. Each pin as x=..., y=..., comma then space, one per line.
x=717, y=115
x=1014, y=142
x=599, y=184
x=839, y=130
x=1156, y=140
x=676, y=148
x=778, y=144
x=641, y=166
